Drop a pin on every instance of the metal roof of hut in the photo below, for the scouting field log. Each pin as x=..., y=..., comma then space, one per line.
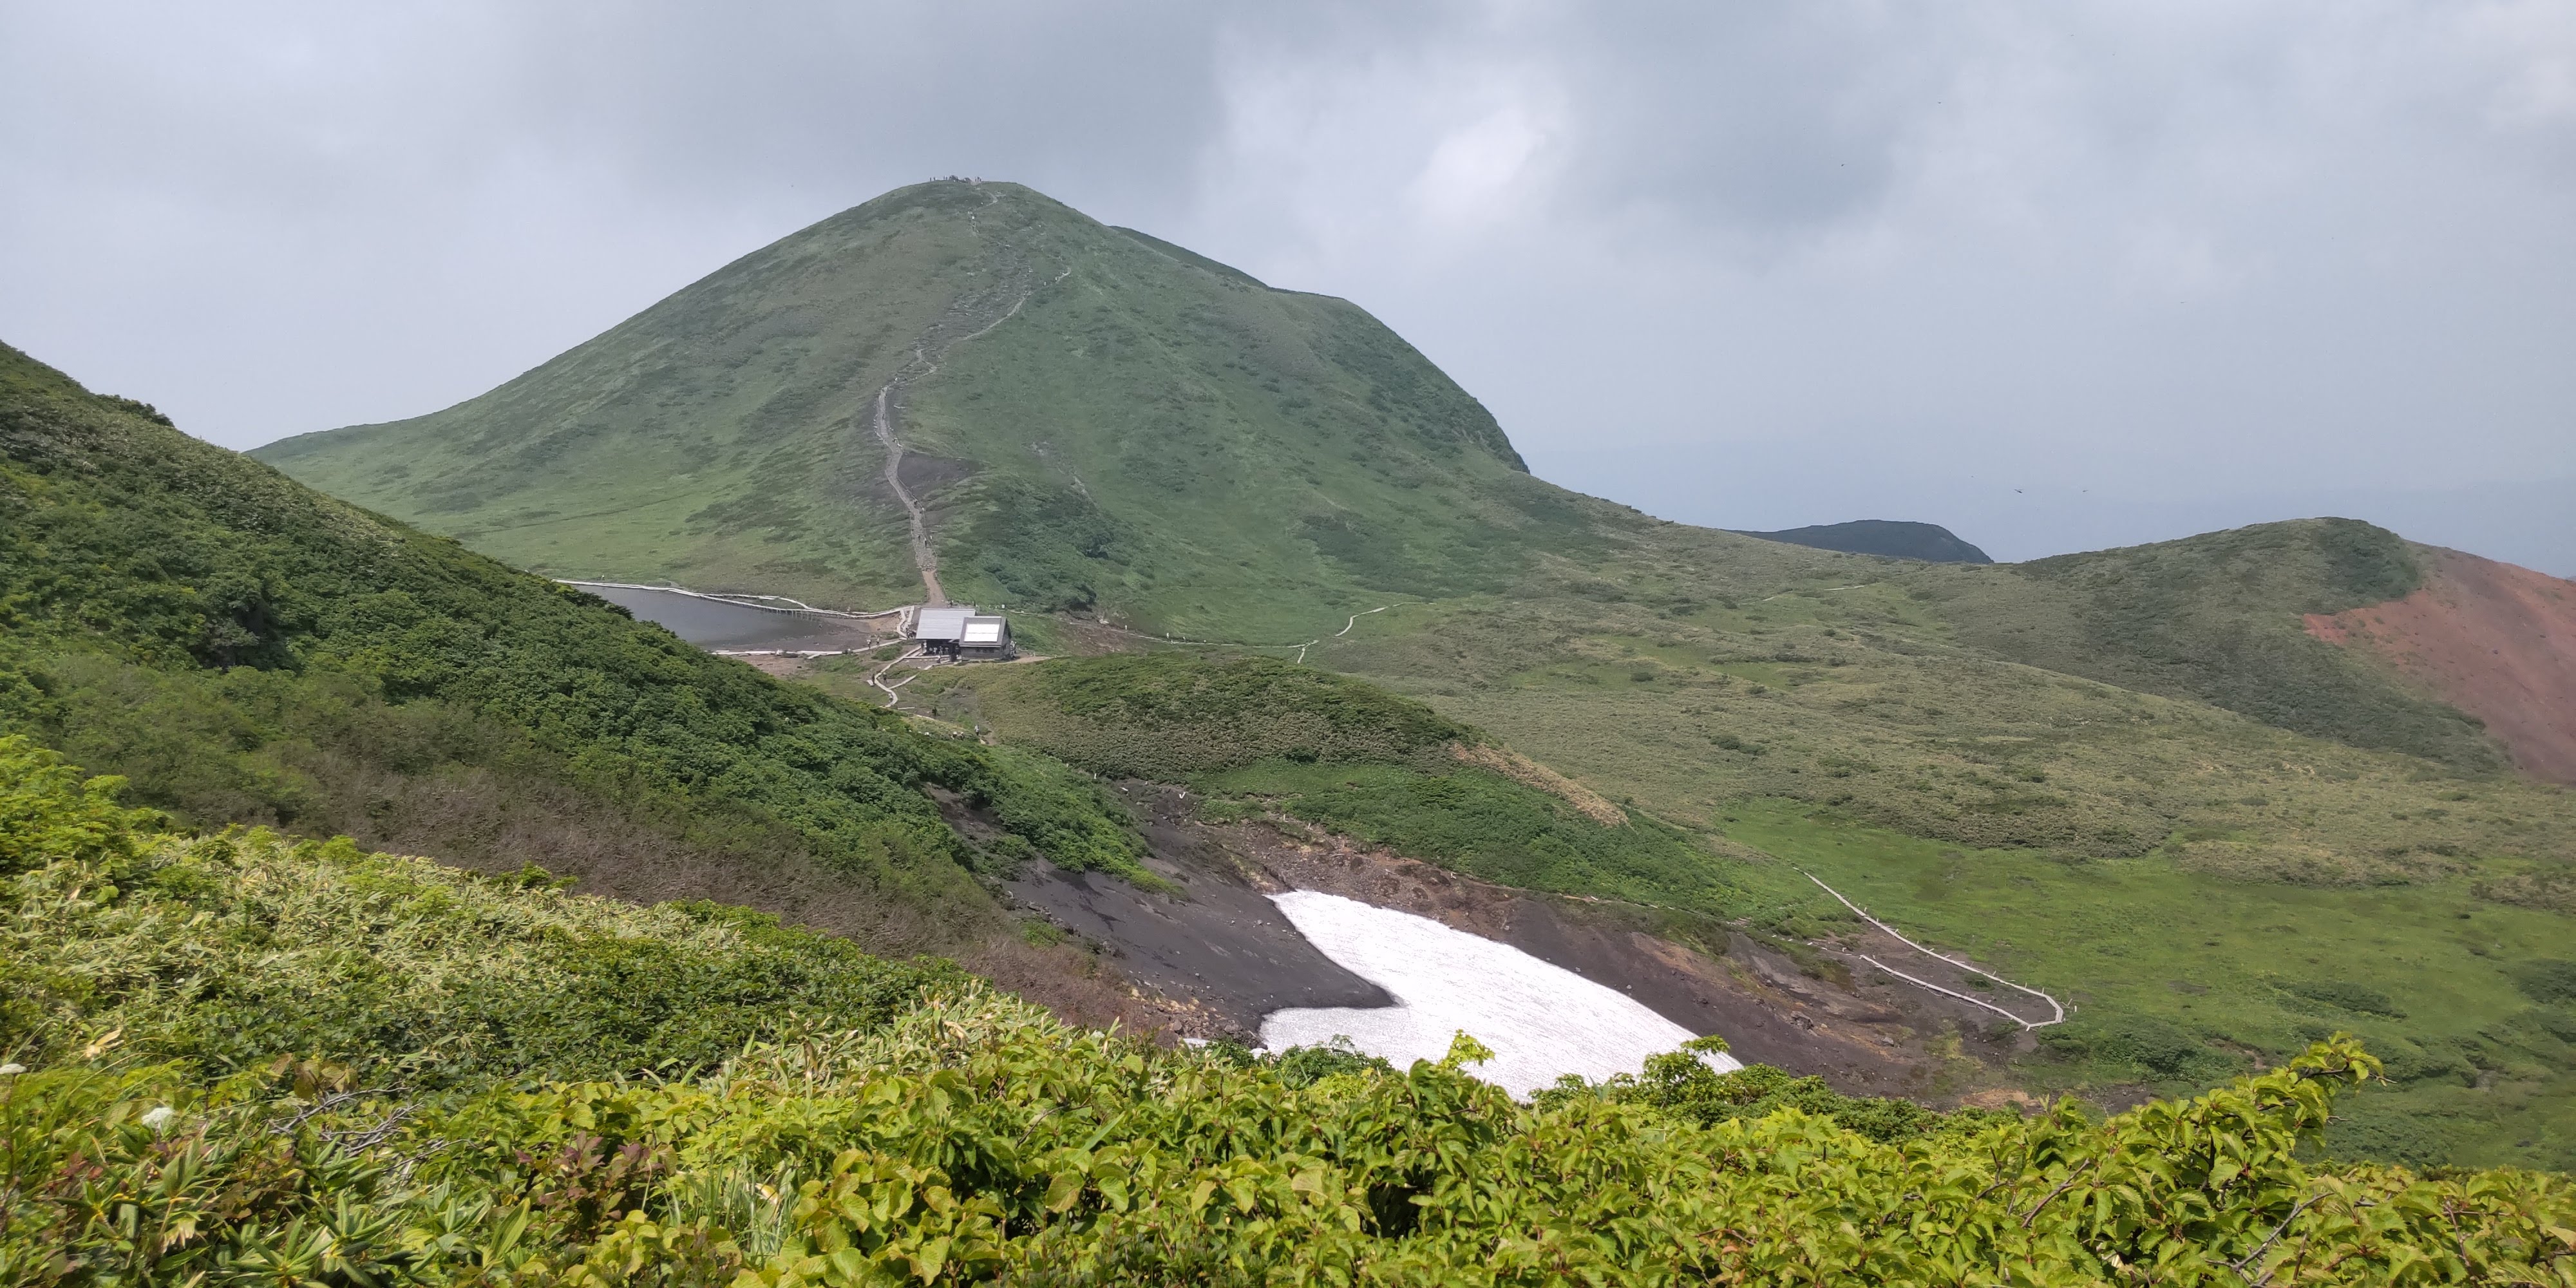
x=942, y=623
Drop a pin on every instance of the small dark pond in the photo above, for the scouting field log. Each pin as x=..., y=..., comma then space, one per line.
x=714, y=624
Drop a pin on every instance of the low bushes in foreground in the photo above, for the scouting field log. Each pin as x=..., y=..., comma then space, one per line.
x=859, y=1122
x=975, y=1139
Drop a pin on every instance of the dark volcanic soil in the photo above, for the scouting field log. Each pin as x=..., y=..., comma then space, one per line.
x=2492, y=639
x=1216, y=942
x=1221, y=950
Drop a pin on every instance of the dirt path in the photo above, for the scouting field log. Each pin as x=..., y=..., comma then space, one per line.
x=924, y=556
x=877, y=677
x=927, y=352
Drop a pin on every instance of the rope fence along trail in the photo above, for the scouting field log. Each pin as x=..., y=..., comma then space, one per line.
x=1301, y=648
x=2057, y=1013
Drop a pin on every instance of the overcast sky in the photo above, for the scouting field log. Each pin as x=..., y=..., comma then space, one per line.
x=2056, y=274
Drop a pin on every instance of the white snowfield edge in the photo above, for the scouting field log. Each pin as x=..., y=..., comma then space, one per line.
x=1542, y=1021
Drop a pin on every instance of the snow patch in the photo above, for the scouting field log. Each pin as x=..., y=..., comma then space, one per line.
x=1542, y=1021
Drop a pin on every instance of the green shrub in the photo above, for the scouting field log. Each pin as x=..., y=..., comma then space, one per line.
x=50, y=813
x=2547, y=980
x=1492, y=827
x=2347, y=995
x=1304, y=1066
x=1682, y=1084
x=230, y=952
x=1174, y=716
x=2155, y=1048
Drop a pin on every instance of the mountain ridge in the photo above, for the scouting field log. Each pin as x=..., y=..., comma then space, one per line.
x=758, y=387
x=970, y=388
x=1893, y=538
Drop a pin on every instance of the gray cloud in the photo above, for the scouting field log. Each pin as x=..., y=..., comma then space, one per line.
x=1756, y=264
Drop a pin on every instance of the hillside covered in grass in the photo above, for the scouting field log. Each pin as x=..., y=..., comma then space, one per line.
x=1098, y=426
x=2185, y=875
x=812, y=1116
x=2219, y=618
x=244, y=649
x=1096, y=420
x=1259, y=738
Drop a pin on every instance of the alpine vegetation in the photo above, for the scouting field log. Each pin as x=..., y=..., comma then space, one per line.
x=236, y=1059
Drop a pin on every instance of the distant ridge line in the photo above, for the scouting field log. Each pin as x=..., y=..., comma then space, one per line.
x=1888, y=538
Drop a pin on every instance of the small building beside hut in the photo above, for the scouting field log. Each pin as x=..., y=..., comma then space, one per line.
x=986, y=638
x=962, y=633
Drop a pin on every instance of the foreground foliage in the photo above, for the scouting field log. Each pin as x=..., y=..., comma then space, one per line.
x=976, y=1139
x=1682, y=1084
x=226, y=952
x=878, y=1124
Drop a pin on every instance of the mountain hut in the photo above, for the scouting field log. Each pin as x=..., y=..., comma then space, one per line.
x=962, y=633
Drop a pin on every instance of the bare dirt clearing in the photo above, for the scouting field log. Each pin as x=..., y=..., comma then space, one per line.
x=2492, y=639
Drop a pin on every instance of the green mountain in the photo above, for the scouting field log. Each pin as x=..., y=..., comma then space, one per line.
x=1099, y=425
x=1087, y=419
x=1893, y=538
x=2220, y=618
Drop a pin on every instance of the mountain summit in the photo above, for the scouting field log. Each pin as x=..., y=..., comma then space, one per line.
x=970, y=390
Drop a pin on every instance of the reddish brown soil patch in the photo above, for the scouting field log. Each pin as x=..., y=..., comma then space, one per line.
x=2494, y=640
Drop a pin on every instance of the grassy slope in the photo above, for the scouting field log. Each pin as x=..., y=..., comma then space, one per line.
x=1840, y=721
x=1257, y=737
x=2199, y=885
x=715, y=437
x=229, y=951
x=1208, y=457
x=2217, y=617
x=246, y=649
